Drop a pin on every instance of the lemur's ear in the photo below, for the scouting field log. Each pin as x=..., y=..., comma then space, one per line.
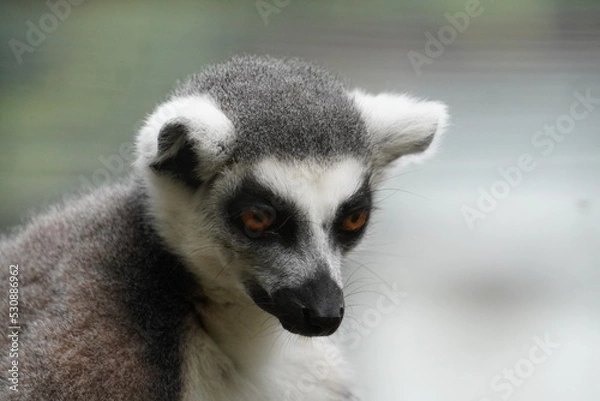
x=400, y=126
x=187, y=139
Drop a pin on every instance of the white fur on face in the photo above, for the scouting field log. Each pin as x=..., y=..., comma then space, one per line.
x=318, y=189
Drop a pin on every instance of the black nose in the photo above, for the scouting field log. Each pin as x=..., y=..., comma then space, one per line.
x=322, y=325
x=315, y=308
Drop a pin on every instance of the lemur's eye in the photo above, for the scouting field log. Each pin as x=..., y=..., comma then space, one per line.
x=257, y=220
x=355, y=220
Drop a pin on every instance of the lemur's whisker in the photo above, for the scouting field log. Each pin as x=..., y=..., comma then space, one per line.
x=378, y=182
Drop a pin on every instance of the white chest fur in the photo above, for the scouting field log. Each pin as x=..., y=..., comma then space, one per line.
x=244, y=354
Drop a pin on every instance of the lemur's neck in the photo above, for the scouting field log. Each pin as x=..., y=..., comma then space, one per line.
x=242, y=331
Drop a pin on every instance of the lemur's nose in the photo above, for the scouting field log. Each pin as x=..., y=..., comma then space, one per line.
x=314, y=308
x=322, y=325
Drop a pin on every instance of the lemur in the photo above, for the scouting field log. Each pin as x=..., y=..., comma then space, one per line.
x=213, y=272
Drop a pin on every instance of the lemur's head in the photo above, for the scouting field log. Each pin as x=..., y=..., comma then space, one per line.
x=261, y=175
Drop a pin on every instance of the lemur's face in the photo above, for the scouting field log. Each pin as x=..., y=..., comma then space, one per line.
x=289, y=225
x=271, y=175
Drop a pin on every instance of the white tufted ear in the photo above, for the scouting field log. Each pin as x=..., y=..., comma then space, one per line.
x=187, y=138
x=400, y=126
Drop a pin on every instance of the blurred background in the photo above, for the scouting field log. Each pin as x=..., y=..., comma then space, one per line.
x=480, y=280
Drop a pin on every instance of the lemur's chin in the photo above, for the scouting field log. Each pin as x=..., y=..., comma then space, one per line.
x=315, y=308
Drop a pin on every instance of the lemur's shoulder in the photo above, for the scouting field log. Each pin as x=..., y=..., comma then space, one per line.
x=73, y=228
x=102, y=301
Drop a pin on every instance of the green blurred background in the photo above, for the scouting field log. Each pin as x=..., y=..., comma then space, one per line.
x=84, y=90
x=477, y=296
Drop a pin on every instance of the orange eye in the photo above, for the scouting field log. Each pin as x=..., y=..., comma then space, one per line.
x=355, y=220
x=256, y=219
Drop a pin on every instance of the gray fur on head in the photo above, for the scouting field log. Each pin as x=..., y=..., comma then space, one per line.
x=283, y=108
x=292, y=109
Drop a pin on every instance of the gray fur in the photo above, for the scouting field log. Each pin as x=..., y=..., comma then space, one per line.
x=101, y=303
x=287, y=108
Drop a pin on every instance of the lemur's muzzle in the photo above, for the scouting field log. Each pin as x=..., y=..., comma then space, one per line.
x=315, y=308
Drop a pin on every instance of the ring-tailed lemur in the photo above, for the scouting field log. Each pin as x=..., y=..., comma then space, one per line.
x=203, y=275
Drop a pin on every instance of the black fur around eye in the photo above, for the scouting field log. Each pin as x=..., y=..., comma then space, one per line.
x=352, y=219
x=350, y=227
x=263, y=222
x=355, y=220
x=261, y=216
x=255, y=221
